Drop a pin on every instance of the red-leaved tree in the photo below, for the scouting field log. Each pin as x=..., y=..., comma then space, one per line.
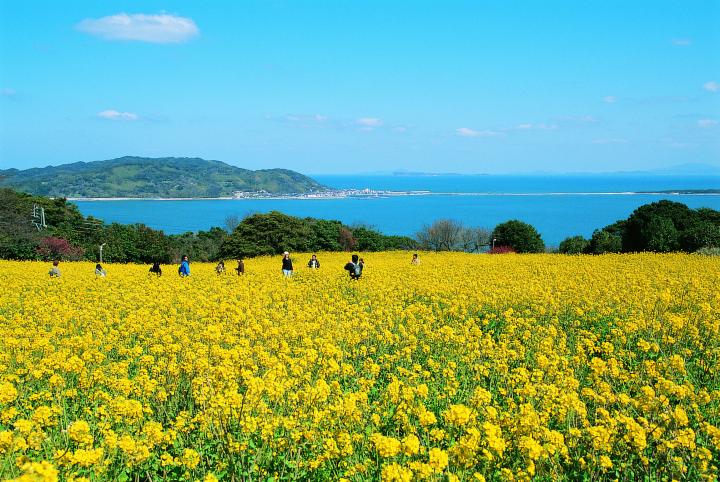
x=51, y=248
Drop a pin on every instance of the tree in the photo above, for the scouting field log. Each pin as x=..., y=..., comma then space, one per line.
x=604, y=241
x=442, y=235
x=231, y=222
x=574, y=245
x=326, y=234
x=661, y=235
x=264, y=234
x=474, y=240
x=638, y=231
x=368, y=239
x=346, y=239
x=703, y=234
x=520, y=236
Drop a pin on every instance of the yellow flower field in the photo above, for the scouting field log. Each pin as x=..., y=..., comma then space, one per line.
x=466, y=367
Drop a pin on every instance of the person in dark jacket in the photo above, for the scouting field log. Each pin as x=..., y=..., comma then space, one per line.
x=155, y=269
x=354, y=267
x=240, y=267
x=184, y=269
x=313, y=263
x=287, y=267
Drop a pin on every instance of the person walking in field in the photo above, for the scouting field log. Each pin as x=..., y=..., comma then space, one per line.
x=287, y=267
x=240, y=267
x=55, y=270
x=100, y=271
x=313, y=263
x=184, y=269
x=155, y=269
x=220, y=268
x=354, y=267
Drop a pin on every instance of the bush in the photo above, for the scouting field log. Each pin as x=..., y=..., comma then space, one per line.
x=574, y=245
x=520, y=236
x=709, y=251
x=52, y=248
x=501, y=250
x=604, y=241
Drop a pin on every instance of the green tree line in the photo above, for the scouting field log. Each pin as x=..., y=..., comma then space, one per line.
x=663, y=226
x=70, y=235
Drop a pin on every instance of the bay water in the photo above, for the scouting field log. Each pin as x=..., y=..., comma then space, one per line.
x=558, y=206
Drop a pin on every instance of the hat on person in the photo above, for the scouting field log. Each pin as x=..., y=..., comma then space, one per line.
x=286, y=252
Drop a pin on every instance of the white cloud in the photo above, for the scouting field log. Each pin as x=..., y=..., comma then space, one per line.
x=115, y=115
x=541, y=126
x=467, y=132
x=682, y=42
x=162, y=28
x=305, y=118
x=610, y=99
x=7, y=92
x=610, y=141
x=711, y=86
x=370, y=122
x=707, y=122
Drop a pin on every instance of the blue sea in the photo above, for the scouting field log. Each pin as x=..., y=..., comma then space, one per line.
x=558, y=206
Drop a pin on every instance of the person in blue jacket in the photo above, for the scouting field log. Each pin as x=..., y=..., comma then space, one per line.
x=184, y=269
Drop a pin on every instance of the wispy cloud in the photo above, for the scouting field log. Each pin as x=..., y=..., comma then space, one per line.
x=118, y=116
x=682, y=42
x=161, y=28
x=304, y=118
x=707, y=123
x=610, y=99
x=468, y=132
x=610, y=141
x=711, y=86
x=529, y=126
x=369, y=122
x=7, y=92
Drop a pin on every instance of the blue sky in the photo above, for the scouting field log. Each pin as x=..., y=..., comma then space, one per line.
x=344, y=87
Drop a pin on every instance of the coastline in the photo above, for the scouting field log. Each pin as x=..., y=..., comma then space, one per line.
x=383, y=194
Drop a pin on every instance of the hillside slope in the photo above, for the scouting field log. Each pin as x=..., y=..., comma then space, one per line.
x=141, y=177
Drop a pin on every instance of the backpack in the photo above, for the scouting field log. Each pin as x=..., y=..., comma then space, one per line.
x=357, y=269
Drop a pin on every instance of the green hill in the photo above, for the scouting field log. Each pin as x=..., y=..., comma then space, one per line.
x=142, y=177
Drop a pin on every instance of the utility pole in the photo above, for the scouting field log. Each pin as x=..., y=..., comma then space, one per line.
x=101, y=248
x=493, y=245
x=38, y=217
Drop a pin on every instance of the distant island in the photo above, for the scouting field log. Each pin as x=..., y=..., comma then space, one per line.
x=167, y=177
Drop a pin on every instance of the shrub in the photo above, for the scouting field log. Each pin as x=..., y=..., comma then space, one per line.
x=501, y=250
x=51, y=248
x=520, y=236
x=709, y=251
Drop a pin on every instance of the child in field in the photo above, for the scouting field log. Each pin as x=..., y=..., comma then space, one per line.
x=220, y=268
x=55, y=271
x=415, y=259
x=100, y=271
x=313, y=263
x=155, y=269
